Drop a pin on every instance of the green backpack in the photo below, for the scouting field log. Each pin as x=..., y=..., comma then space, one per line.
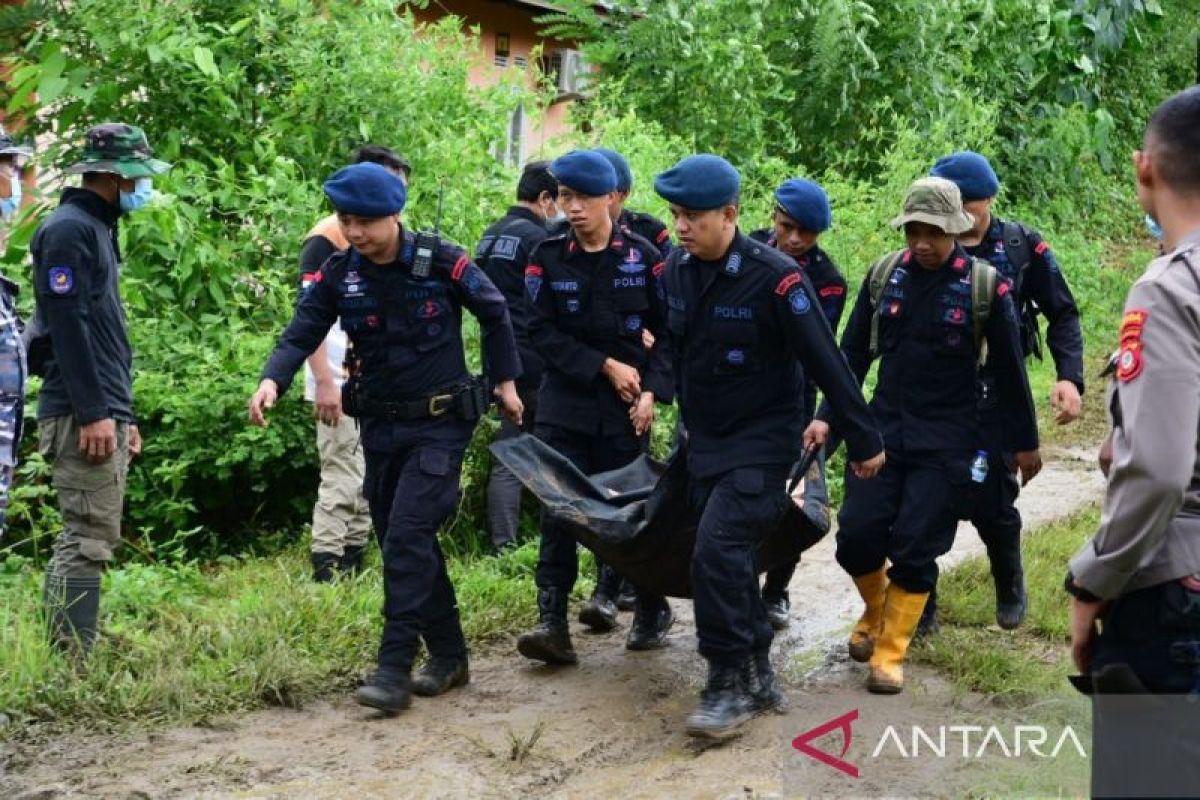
x=984, y=279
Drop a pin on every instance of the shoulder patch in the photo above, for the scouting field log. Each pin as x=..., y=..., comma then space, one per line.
x=533, y=281
x=831, y=291
x=1130, y=362
x=1001, y=288
x=787, y=282
x=1133, y=323
x=663, y=235
x=1041, y=248
x=460, y=266
x=798, y=301
x=61, y=280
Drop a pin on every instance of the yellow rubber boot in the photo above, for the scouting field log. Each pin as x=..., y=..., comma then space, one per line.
x=901, y=613
x=873, y=588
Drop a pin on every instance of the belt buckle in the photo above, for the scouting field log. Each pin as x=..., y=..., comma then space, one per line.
x=436, y=409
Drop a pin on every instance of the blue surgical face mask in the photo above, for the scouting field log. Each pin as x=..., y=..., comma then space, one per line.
x=1153, y=227
x=141, y=194
x=9, y=205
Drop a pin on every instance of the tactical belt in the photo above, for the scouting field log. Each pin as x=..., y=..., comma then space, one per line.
x=467, y=401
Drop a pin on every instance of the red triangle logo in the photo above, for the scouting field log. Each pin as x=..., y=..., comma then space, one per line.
x=841, y=723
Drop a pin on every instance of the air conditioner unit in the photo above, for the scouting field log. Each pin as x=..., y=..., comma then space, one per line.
x=571, y=73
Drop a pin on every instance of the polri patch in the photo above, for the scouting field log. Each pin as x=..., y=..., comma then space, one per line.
x=62, y=280
x=798, y=300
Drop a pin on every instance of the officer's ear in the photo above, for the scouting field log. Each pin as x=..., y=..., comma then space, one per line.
x=729, y=214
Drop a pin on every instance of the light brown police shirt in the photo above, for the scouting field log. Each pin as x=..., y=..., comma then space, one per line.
x=1150, y=529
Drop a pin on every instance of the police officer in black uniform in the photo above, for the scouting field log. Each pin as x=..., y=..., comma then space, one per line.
x=802, y=213
x=926, y=311
x=593, y=292
x=502, y=253
x=1038, y=286
x=400, y=299
x=743, y=321
x=647, y=226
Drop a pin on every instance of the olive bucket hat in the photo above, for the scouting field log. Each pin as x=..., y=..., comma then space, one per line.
x=937, y=202
x=118, y=148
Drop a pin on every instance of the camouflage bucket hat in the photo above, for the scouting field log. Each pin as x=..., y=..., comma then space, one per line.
x=118, y=148
x=937, y=202
x=9, y=146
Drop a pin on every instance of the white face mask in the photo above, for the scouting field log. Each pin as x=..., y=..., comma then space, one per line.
x=9, y=205
x=142, y=192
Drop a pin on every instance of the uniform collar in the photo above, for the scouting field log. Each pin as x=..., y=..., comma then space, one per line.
x=92, y=204
x=731, y=264
x=521, y=212
x=617, y=242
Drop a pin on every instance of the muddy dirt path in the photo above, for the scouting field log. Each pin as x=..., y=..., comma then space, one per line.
x=610, y=727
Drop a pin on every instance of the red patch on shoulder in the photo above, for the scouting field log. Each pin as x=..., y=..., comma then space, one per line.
x=960, y=264
x=1132, y=325
x=831, y=291
x=1131, y=361
x=787, y=282
x=1042, y=247
x=311, y=277
x=1001, y=288
x=658, y=268
x=663, y=235
x=460, y=267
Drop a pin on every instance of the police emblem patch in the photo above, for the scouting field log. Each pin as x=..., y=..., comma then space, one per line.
x=798, y=300
x=573, y=305
x=734, y=265
x=533, y=281
x=736, y=357
x=633, y=323
x=62, y=280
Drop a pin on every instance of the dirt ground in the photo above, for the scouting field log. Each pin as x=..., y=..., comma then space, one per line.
x=610, y=727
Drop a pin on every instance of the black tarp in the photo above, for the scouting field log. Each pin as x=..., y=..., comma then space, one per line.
x=638, y=518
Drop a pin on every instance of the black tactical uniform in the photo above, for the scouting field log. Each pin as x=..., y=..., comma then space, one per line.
x=588, y=307
x=417, y=409
x=503, y=253
x=745, y=333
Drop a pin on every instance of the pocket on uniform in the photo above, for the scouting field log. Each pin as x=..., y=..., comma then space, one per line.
x=435, y=463
x=964, y=492
x=735, y=348
x=748, y=481
x=631, y=307
x=570, y=304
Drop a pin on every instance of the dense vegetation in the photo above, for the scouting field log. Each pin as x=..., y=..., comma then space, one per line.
x=256, y=103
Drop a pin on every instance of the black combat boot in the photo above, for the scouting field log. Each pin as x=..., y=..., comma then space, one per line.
x=439, y=675
x=1009, y=578
x=725, y=704
x=929, y=624
x=652, y=619
x=389, y=691
x=352, y=559
x=600, y=612
x=550, y=641
x=73, y=611
x=324, y=567
x=626, y=597
x=763, y=686
x=779, y=610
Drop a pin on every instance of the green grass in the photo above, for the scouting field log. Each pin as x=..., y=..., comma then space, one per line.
x=1032, y=661
x=183, y=643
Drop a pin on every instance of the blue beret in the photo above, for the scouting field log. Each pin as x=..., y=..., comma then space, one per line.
x=699, y=183
x=368, y=190
x=585, y=171
x=624, y=174
x=974, y=175
x=805, y=202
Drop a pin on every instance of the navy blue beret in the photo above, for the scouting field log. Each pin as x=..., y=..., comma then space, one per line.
x=806, y=202
x=585, y=171
x=974, y=175
x=624, y=174
x=699, y=183
x=368, y=190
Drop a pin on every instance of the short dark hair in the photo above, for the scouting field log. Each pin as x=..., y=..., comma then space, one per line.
x=384, y=157
x=535, y=179
x=1173, y=139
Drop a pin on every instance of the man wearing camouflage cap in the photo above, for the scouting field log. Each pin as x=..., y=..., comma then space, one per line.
x=927, y=312
x=85, y=408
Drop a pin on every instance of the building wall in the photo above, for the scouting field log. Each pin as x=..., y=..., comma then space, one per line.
x=493, y=17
